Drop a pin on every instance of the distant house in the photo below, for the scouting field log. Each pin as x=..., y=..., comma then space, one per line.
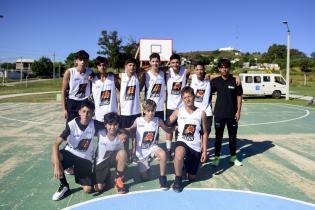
x=228, y=49
x=24, y=65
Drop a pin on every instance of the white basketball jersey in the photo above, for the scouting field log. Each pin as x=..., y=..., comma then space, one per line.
x=175, y=83
x=79, y=85
x=104, y=94
x=146, y=135
x=202, y=90
x=155, y=87
x=189, y=127
x=80, y=143
x=104, y=145
x=129, y=95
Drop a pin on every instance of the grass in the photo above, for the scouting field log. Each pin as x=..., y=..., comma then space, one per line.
x=41, y=98
x=40, y=86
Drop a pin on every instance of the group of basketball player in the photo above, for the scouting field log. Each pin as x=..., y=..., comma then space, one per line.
x=188, y=96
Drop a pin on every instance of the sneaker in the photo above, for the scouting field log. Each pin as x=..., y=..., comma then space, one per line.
x=163, y=182
x=177, y=185
x=216, y=161
x=235, y=161
x=69, y=171
x=61, y=192
x=120, y=186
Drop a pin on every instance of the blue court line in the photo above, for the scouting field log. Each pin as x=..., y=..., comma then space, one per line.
x=194, y=199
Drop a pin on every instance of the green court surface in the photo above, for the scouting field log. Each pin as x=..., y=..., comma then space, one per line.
x=276, y=144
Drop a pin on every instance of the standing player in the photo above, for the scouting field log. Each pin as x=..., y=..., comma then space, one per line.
x=191, y=145
x=202, y=91
x=227, y=110
x=104, y=90
x=76, y=80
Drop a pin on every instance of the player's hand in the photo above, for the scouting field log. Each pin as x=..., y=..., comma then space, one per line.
x=58, y=171
x=237, y=116
x=65, y=114
x=203, y=157
x=122, y=137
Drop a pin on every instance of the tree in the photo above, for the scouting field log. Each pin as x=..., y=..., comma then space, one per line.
x=111, y=46
x=305, y=67
x=313, y=55
x=70, y=60
x=275, y=52
x=8, y=65
x=43, y=67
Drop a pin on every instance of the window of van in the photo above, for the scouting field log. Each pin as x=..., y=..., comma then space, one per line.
x=248, y=79
x=280, y=80
x=266, y=78
x=257, y=79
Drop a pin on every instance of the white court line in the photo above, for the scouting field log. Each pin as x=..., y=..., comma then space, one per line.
x=191, y=189
x=280, y=121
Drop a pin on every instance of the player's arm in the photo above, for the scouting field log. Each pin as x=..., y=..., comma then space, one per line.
x=131, y=129
x=172, y=118
x=204, y=137
x=141, y=77
x=117, y=81
x=165, y=128
x=65, y=85
x=55, y=158
x=239, y=107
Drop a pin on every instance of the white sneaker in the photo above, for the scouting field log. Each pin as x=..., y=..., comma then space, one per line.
x=62, y=190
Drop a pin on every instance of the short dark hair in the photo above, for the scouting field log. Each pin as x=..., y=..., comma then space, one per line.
x=187, y=89
x=111, y=118
x=82, y=55
x=224, y=62
x=155, y=55
x=88, y=104
x=131, y=60
x=199, y=63
x=100, y=59
x=175, y=56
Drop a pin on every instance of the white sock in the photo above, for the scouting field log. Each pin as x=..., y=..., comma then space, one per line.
x=168, y=144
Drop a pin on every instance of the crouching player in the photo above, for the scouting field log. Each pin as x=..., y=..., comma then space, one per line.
x=110, y=153
x=78, y=152
x=146, y=147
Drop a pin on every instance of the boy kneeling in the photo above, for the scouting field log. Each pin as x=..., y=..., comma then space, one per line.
x=79, y=134
x=110, y=153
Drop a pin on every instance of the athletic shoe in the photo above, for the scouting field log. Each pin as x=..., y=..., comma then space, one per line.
x=120, y=186
x=177, y=185
x=163, y=182
x=235, y=161
x=69, y=171
x=216, y=161
x=61, y=192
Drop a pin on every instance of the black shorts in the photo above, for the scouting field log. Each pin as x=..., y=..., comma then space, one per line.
x=126, y=121
x=102, y=170
x=169, y=112
x=82, y=167
x=192, y=158
x=209, y=124
x=73, y=107
x=159, y=114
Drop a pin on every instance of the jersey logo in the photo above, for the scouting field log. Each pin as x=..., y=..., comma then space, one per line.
x=176, y=88
x=130, y=93
x=81, y=91
x=189, y=132
x=156, y=91
x=84, y=144
x=147, y=139
x=105, y=97
x=199, y=95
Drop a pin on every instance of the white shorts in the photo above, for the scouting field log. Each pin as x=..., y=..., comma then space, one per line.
x=144, y=164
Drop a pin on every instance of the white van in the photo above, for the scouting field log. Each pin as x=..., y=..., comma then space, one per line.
x=263, y=84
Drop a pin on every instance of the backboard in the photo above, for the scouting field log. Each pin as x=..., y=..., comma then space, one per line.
x=164, y=47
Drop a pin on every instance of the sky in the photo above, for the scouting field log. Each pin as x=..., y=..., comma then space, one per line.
x=36, y=28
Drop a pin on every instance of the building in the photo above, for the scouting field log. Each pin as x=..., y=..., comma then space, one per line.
x=24, y=65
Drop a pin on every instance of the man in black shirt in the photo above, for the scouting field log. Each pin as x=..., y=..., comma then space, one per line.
x=227, y=110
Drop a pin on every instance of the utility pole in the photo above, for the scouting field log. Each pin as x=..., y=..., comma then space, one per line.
x=21, y=63
x=288, y=62
x=54, y=66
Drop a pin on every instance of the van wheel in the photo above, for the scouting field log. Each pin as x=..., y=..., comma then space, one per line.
x=276, y=94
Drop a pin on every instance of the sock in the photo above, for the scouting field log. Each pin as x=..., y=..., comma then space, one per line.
x=168, y=144
x=119, y=174
x=63, y=180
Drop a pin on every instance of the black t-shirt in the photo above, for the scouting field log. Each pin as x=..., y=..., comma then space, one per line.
x=97, y=125
x=227, y=92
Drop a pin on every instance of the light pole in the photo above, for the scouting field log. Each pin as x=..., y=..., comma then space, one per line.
x=288, y=62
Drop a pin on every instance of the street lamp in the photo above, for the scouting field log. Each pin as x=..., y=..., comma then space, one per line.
x=288, y=61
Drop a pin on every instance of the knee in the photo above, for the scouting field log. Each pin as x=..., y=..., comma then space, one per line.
x=87, y=189
x=99, y=187
x=122, y=155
